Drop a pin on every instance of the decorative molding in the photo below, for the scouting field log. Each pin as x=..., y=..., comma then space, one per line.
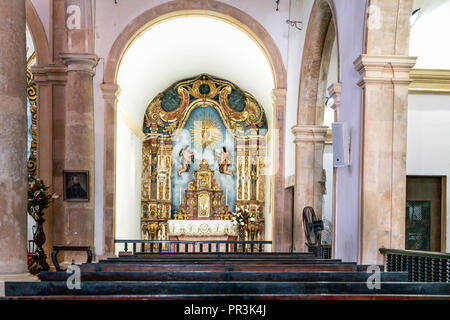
x=384, y=69
x=130, y=124
x=110, y=91
x=202, y=228
x=329, y=137
x=305, y=133
x=430, y=81
x=81, y=62
x=49, y=73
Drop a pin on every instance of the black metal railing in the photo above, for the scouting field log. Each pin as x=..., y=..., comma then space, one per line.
x=181, y=246
x=422, y=266
x=324, y=250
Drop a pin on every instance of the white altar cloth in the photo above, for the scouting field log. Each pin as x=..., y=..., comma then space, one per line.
x=202, y=228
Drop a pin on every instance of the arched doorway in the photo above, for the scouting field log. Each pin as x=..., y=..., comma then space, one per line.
x=316, y=111
x=220, y=13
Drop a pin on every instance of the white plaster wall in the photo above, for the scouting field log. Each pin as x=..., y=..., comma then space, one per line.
x=128, y=184
x=299, y=11
x=350, y=20
x=428, y=149
x=429, y=39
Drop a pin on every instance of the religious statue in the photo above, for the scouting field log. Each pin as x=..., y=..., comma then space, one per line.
x=224, y=161
x=186, y=157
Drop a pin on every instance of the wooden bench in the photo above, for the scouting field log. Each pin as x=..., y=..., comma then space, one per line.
x=57, y=249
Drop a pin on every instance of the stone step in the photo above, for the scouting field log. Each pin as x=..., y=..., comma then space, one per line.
x=226, y=276
x=222, y=255
x=121, y=266
x=199, y=288
x=234, y=261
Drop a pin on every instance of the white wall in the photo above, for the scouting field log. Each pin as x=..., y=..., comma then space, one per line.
x=128, y=184
x=350, y=19
x=299, y=11
x=429, y=40
x=428, y=146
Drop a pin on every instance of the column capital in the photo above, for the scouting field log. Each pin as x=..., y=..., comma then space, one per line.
x=110, y=91
x=55, y=73
x=334, y=90
x=82, y=62
x=384, y=69
x=307, y=133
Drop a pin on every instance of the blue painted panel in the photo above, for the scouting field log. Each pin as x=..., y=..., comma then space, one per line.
x=184, y=138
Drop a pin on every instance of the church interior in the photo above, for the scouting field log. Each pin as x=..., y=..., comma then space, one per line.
x=217, y=147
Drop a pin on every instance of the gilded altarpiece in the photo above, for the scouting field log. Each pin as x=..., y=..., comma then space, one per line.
x=203, y=157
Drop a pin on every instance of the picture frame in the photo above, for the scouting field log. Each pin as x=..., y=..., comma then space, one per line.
x=76, y=185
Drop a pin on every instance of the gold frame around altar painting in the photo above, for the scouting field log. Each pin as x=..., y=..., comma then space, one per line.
x=203, y=199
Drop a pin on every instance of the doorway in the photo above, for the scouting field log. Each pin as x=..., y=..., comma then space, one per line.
x=425, y=213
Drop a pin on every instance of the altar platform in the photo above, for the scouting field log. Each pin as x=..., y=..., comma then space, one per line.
x=202, y=230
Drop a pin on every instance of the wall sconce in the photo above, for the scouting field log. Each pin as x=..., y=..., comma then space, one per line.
x=296, y=24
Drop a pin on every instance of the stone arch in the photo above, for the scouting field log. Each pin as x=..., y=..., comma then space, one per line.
x=38, y=34
x=322, y=15
x=309, y=132
x=210, y=8
x=110, y=89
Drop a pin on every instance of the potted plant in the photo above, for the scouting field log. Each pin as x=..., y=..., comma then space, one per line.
x=39, y=198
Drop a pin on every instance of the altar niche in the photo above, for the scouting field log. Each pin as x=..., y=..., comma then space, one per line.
x=203, y=157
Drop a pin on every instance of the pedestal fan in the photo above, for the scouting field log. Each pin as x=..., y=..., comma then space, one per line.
x=313, y=228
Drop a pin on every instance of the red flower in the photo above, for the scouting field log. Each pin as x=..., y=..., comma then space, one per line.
x=34, y=188
x=39, y=198
x=49, y=197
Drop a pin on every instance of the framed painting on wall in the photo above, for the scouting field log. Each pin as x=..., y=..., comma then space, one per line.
x=76, y=185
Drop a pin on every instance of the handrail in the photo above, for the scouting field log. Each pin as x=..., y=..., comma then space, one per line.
x=422, y=266
x=426, y=254
x=174, y=245
x=191, y=241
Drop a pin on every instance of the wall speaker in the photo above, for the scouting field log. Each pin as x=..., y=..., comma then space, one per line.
x=341, y=144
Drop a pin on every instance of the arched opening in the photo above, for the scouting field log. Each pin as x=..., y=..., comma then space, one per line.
x=314, y=174
x=151, y=63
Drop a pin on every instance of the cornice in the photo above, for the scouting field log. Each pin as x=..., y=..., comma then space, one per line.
x=81, y=62
x=309, y=133
x=384, y=69
x=430, y=81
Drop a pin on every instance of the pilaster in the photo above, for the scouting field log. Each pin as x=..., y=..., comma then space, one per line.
x=384, y=82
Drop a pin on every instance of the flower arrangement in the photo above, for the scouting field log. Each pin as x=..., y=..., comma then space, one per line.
x=38, y=197
x=242, y=216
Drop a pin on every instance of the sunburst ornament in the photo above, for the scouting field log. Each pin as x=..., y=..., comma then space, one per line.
x=205, y=132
